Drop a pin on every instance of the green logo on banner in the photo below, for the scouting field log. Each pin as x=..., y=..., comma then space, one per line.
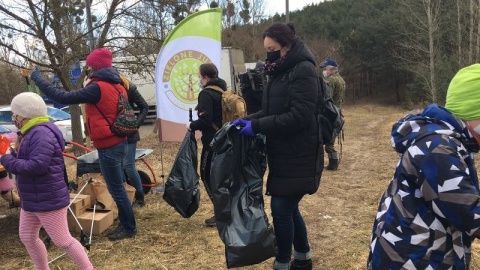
x=181, y=71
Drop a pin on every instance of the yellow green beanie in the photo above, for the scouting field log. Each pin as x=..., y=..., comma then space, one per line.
x=463, y=94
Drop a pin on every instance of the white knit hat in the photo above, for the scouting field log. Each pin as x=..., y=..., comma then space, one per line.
x=28, y=105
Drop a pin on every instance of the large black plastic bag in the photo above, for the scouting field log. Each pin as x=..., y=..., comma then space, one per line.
x=238, y=166
x=181, y=189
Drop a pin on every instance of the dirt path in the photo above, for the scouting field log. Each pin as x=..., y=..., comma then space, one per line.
x=341, y=213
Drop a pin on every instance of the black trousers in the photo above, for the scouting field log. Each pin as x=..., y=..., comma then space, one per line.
x=205, y=164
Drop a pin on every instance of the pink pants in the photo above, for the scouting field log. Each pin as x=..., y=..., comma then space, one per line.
x=55, y=224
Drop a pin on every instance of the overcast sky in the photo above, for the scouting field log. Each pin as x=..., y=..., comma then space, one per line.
x=274, y=6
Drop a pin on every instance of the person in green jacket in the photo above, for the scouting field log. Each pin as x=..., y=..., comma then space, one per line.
x=337, y=88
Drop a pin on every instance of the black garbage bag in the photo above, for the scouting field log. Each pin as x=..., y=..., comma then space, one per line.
x=238, y=166
x=181, y=189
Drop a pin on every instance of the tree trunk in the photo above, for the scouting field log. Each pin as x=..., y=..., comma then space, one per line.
x=432, y=26
x=459, y=31
x=477, y=55
x=470, y=34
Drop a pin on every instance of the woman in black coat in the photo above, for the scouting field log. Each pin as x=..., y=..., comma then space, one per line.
x=136, y=100
x=209, y=111
x=295, y=154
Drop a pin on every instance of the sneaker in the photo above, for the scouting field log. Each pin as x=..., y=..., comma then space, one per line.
x=139, y=200
x=116, y=230
x=301, y=264
x=122, y=234
x=138, y=203
x=210, y=222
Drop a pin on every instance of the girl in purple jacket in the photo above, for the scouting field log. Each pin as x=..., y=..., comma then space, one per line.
x=38, y=165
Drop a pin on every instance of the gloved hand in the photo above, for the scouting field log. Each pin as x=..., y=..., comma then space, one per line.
x=245, y=127
x=35, y=74
x=188, y=125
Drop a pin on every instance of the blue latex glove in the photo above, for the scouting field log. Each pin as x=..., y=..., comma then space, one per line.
x=245, y=127
x=35, y=74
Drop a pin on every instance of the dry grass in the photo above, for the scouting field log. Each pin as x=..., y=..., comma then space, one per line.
x=339, y=216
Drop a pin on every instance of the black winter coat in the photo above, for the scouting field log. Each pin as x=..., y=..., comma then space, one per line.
x=287, y=118
x=137, y=101
x=209, y=110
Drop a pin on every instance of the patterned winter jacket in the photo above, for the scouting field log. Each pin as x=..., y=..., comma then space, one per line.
x=430, y=212
x=337, y=88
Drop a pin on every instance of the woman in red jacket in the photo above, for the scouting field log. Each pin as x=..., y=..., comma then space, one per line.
x=101, y=97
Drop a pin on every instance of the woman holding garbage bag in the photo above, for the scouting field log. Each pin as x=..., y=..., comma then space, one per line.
x=209, y=111
x=294, y=152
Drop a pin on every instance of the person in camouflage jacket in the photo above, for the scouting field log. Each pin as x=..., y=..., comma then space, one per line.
x=337, y=91
x=430, y=212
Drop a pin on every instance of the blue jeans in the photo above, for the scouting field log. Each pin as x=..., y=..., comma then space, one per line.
x=131, y=170
x=289, y=228
x=111, y=165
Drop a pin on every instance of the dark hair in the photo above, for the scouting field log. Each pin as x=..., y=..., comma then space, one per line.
x=209, y=70
x=281, y=33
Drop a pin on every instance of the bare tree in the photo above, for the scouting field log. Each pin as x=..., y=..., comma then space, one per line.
x=432, y=9
x=242, y=26
x=459, y=32
x=53, y=35
x=420, y=33
x=149, y=23
x=240, y=12
x=477, y=51
x=470, y=32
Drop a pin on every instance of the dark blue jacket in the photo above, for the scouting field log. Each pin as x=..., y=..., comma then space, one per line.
x=89, y=94
x=429, y=214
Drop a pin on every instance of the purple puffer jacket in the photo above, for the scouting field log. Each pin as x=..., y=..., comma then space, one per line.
x=39, y=167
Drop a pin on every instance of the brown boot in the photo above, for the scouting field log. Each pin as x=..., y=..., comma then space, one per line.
x=11, y=197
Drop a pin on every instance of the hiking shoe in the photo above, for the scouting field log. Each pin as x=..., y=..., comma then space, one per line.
x=116, y=230
x=301, y=264
x=210, y=222
x=122, y=234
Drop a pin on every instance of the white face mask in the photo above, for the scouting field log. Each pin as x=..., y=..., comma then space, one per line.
x=325, y=74
x=200, y=83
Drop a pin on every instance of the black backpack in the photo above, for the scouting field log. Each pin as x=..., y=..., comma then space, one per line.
x=329, y=116
x=252, y=84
